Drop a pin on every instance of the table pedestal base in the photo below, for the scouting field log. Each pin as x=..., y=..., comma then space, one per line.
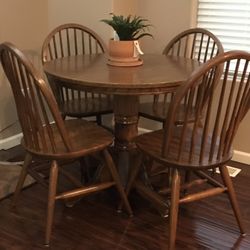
x=126, y=123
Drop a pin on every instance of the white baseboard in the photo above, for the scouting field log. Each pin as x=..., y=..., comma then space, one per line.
x=10, y=142
x=143, y=130
x=241, y=157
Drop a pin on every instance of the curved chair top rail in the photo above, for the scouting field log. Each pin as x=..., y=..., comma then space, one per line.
x=196, y=43
x=71, y=39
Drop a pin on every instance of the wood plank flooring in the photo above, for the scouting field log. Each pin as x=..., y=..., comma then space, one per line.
x=94, y=224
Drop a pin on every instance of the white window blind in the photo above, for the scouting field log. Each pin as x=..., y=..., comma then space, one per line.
x=227, y=19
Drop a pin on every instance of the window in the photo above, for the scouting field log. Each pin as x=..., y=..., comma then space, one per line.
x=229, y=20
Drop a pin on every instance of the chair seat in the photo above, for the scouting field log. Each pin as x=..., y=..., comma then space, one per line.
x=86, y=137
x=86, y=107
x=158, y=111
x=151, y=143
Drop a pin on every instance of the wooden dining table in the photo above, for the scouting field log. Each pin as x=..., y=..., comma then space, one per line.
x=158, y=74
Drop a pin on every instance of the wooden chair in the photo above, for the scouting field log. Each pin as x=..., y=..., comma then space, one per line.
x=75, y=39
x=206, y=143
x=47, y=136
x=196, y=43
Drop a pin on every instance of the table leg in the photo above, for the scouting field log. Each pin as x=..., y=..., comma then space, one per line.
x=126, y=129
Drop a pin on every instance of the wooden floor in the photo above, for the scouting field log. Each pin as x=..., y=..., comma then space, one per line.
x=94, y=224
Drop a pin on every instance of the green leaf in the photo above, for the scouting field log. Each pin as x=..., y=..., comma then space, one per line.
x=130, y=27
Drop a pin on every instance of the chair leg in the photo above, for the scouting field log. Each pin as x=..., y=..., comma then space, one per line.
x=174, y=208
x=85, y=166
x=117, y=180
x=186, y=180
x=133, y=174
x=187, y=175
x=51, y=200
x=147, y=172
x=23, y=174
x=99, y=120
x=232, y=197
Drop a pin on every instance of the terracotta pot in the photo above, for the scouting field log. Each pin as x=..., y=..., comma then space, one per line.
x=123, y=53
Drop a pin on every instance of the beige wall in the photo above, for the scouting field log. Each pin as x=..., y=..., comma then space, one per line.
x=121, y=7
x=242, y=139
x=88, y=13
x=24, y=23
x=167, y=17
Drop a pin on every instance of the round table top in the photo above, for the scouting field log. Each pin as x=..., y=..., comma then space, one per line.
x=157, y=74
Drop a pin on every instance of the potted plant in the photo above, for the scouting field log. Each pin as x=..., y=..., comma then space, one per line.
x=124, y=47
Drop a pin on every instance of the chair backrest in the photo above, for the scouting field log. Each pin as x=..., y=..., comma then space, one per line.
x=35, y=103
x=196, y=43
x=71, y=39
x=208, y=140
x=68, y=40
